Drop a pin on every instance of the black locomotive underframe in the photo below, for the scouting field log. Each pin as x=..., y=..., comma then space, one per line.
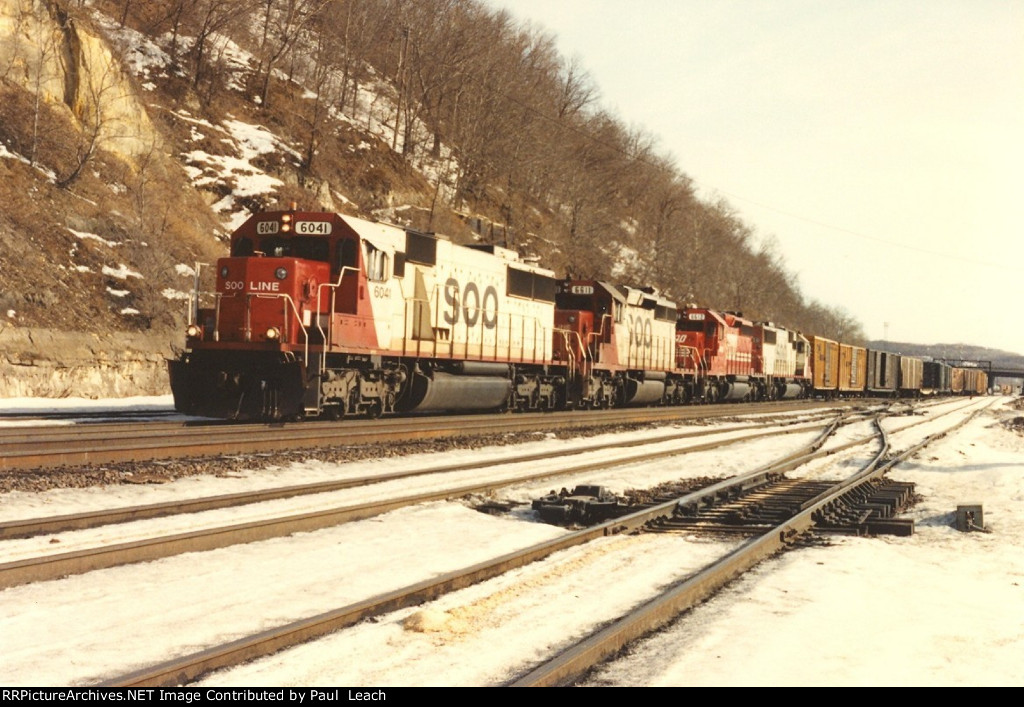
x=280, y=385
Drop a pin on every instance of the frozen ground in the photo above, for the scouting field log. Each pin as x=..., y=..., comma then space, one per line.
x=939, y=608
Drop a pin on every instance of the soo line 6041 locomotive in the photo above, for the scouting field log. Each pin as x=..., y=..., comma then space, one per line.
x=320, y=314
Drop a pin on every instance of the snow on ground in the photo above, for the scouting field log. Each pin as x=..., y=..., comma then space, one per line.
x=147, y=403
x=939, y=608
x=85, y=236
x=20, y=505
x=246, y=180
x=373, y=111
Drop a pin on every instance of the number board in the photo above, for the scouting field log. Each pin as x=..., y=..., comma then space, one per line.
x=313, y=228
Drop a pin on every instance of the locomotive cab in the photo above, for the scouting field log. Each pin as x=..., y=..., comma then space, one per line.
x=248, y=355
x=584, y=313
x=729, y=352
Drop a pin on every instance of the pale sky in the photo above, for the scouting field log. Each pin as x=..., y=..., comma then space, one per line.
x=880, y=143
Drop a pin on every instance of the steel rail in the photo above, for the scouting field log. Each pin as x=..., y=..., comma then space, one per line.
x=39, y=569
x=29, y=527
x=570, y=664
x=188, y=668
x=181, y=670
x=42, y=447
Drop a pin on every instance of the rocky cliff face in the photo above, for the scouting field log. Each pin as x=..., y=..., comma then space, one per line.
x=55, y=364
x=47, y=53
x=122, y=166
x=73, y=71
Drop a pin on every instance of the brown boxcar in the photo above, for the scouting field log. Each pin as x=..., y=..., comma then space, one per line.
x=853, y=369
x=969, y=381
x=957, y=380
x=982, y=383
x=824, y=366
x=911, y=375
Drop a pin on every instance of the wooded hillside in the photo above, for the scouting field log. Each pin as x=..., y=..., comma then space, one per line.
x=443, y=114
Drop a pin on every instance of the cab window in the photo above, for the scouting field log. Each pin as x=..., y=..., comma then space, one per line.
x=376, y=263
x=347, y=254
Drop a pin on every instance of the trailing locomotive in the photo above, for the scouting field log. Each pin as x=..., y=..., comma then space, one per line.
x=321, y=314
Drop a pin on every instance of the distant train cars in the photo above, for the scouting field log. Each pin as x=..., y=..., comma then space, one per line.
x=321, y=314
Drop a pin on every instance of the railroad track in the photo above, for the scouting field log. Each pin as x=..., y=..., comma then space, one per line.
x=47, y=447
x=90, y=416
x=568, y=664
x=189, y=668
x=59, y=564
x=577, y=660
x=251, y=647
x=29, y=527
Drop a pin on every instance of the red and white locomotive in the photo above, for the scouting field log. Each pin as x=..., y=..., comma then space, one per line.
x=319, y=313
x=325, y=314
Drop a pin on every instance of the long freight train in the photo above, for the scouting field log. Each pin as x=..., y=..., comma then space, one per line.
x=321, y=314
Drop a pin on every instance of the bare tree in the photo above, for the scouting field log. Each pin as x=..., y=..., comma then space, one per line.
x=323, y=80
x=283, y=23
x=94, y=117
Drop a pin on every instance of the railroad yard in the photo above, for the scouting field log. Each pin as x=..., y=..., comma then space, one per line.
x=938, y=607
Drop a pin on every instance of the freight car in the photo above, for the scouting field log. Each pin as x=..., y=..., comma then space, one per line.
x=853, y=370
x=936, y=378
x=883, y=373
x=911, y=376
x=825, y=366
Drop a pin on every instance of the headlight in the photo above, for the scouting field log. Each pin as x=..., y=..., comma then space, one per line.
x=281, y=273
x=224, y=271
x=194, y=331
x=273, y=333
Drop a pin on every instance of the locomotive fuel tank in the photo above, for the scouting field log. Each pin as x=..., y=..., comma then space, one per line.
x=458, y=391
